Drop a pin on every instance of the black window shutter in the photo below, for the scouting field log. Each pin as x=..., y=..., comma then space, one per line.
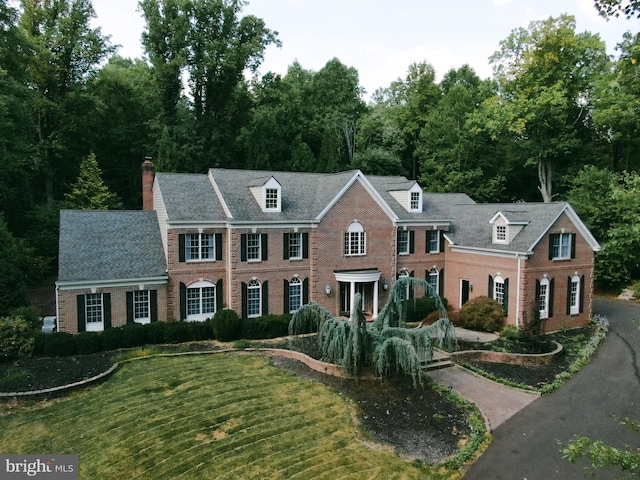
x=551, y=298
x=426, y=242
x=153, y=305
x=286, y=296
x=398, y=242
x=218, y=239
x=219, y=296
x=263, y=246
x=129, y=307
x=305, y=245
x=573, y=245
x=106, y=309
x=245, y=306
x=265, y=298
x=568, y=295
x=81, y=322
x=490, y=287
x=183, y=301
x=537, y=297
x=551, y=240
x=181, y=247
x=412, y=239
x=243, y=247
x=285, y=246
x=305, y=291
x=441, y=283
x=441, y=242
x=505, y=303
x=581, y=294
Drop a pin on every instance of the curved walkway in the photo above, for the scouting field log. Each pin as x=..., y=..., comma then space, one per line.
x=528, y=445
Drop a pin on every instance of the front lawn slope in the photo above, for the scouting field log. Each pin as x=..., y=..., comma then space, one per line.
x=211, y=416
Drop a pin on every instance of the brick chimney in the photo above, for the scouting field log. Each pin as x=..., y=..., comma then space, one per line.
x=148, y=172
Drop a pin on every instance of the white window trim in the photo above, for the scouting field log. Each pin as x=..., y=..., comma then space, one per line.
x=272, y=185
x=199, y=258
x=414, y=190
x=355, y=236
x=498, y=280
x=297, y=235
x=436, y=233
x=259, y=255
x=574, y=307
x=142, y=320
x=544, y=312
x=434, y=272
x=406, y=242
x=94, y=326
x=257, y=286
x=560, y=236
x=201, y=317
x=500, y=233
x=295, y=282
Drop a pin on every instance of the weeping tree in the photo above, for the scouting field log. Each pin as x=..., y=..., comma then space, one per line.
x=386, y=344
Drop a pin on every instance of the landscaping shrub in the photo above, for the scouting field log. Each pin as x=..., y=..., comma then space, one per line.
x=177, y=332
x=156, y=332
x=482, y=314
x=201, y=331
x=418, y=309
x=88, y=343
x=134, y=335
x=226, y=325
x=59, y=344
x=112, y=338
x=17, y=338
x=267, y=326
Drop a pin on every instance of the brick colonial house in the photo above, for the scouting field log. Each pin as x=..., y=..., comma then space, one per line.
x=265, y=242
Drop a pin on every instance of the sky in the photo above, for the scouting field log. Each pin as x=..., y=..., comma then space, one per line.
x=381, y=38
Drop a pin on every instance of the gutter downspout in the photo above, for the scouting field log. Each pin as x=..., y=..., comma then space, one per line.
x=518, y=295
x=229, y=295
x=57, y=308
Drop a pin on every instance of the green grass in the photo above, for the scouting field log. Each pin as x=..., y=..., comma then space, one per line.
x=210, y=416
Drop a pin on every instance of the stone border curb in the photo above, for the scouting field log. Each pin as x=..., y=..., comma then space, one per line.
x=525, y=359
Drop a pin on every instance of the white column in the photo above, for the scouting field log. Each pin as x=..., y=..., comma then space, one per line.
x=375, y=299
x=352, y=293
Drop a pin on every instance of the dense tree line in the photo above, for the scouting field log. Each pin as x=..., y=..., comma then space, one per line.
x=72, y=111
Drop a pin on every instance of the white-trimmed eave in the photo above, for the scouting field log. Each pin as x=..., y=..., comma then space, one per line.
x=123, y=282
x=358, y=175
x=216, y=189
x=489, y=251
x=582, y=228
x=243, y=224
x=442, y=224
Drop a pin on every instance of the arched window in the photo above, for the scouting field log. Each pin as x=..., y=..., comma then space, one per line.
x=433, y=279
x=201, y=301
x=355, y=240
x=543, y=297
x=498, y=289
x=574, y=295
x=295, y=294
x=254, y=299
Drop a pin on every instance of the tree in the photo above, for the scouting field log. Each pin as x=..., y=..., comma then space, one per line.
x=385, y=344
x=66, y=51
x=13, y=288
x=613, y=8
x=90, y=192
x=546, y=74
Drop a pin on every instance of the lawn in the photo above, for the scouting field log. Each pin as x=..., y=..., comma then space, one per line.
x=209, y=416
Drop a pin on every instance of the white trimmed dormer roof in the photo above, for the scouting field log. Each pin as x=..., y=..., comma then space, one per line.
x=506, y=225
x=410, y=199
x=268, y=195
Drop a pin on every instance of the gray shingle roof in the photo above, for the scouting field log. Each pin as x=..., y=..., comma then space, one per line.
x=109, y=245
x=472, y=229
x=189, y=197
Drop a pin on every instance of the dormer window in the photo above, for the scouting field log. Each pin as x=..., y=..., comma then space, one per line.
x=415, y=198
x=506, y=225
x=501, y=234
x=272, y=196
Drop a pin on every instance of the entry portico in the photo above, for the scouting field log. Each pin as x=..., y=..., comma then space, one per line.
x=366, y=282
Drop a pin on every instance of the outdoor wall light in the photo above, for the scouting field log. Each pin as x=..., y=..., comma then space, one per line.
x=385, y=283
x=470, y=288
x=327, y=288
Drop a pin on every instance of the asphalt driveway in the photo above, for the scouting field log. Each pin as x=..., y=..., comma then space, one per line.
x=527, y=446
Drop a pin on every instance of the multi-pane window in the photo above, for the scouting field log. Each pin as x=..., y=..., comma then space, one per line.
x=433, y=241
x=501, y=233
x=403, y=242
x=141, y=310
x=498, y=290
x=254, y=302
x=295, y=246
x=404, y=293
x=201, y=301
x=414, y=203
x=434, y=276
x=543, y=298
x=253, y=247
x=295, y=294
x=561, y=246
x=355, y=240
x=574, y=295
x=94, y=312
x=200, y=246
x=271, y=199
